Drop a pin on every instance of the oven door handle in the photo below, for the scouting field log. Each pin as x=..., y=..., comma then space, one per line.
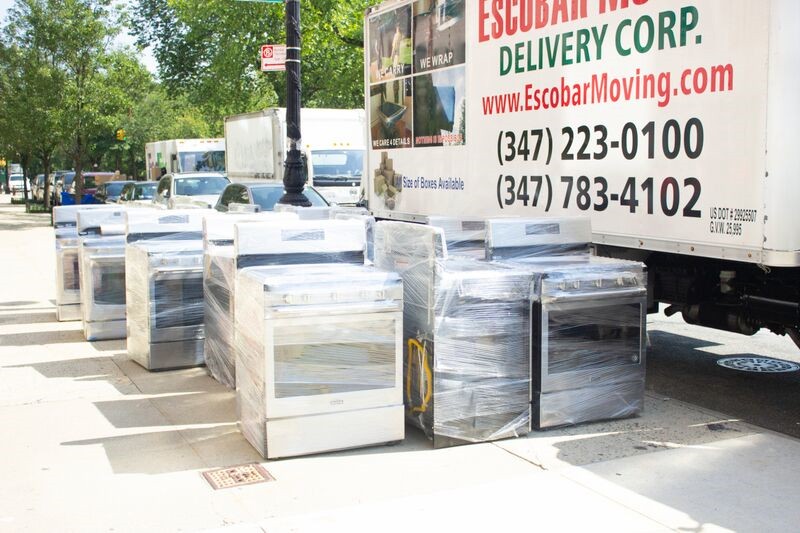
x=177, y=271
x=622, y=293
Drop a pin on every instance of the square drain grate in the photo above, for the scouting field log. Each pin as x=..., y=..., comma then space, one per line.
x=237, y=476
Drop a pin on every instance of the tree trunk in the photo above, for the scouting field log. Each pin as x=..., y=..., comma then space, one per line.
x=46, y=164
x=134, y=174
x=25, y=173
x=78, y=170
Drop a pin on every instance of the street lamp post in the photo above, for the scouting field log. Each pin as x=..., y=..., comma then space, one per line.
x=295, y=171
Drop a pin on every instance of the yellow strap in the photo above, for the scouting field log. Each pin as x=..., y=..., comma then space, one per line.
x=414, y=344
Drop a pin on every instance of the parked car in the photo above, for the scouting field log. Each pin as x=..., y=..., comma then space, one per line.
x=195, y=189
x=262, y=194
x=37, y=188
x=91, y=180
x=109, y=192
x=63, y=179
x=16, y=183
x=138, y=193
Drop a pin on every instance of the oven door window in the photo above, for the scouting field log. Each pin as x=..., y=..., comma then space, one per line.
x=178, y=302
x=70, y=266
x=333, y=358
x=589, y=338
x=109, y=287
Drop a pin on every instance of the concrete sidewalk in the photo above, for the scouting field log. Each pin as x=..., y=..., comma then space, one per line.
x=92, y=442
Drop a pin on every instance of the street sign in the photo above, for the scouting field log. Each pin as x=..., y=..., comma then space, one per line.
x=273, y=57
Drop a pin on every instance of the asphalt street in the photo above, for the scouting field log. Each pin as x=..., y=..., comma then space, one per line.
x=683, y=365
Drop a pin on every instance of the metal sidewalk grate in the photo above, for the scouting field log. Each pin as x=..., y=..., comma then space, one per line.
x=758, y=364
x=237, y=476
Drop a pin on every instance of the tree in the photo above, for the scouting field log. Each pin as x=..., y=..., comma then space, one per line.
x=35, y=100
x=209, y=52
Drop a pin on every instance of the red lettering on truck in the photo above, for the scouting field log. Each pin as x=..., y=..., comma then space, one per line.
x=504, y=18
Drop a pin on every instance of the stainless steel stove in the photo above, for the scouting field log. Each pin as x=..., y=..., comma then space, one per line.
x=318, y=340
x=164, y=286
x=588, y=322
x=466, y=324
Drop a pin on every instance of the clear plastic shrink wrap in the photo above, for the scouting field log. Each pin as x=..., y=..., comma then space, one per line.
x=355, y=213
x=305, y=213
x=318, y=340
x=466, y=337
x=219, y=277
x=516, y=238
x=465, y=237
x=101, y=234
x=68, y=294
x=588, y=324
x=164, y=287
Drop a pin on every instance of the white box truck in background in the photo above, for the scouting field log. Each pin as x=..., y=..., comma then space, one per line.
x=184, y=155
x=673, y=125
x=333, y=141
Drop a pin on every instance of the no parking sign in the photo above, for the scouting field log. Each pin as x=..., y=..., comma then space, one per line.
x=273, y=57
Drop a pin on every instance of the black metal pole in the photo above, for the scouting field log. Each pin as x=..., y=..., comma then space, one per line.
x=295, y=172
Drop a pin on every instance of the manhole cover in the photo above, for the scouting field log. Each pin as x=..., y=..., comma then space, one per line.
x=225, y=478
x=758, y=364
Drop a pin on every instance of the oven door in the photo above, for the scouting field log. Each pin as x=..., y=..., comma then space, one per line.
x=587, y=341
x=176, y=305
x=329, y=364
x=106, y=290
x=68, y=288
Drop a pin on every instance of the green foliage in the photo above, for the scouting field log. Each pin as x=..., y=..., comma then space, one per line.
x=65, y=89
x=209, y=52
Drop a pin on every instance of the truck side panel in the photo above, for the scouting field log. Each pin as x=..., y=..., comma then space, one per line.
x=649, y=117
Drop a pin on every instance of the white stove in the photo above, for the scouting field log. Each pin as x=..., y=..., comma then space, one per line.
x=318, y=343
x=102, y=273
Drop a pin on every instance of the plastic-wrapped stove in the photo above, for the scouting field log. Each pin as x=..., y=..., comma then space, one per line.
x=219, y=277
x=466, y=324
x=318, y=340
x=588, y=321
x=164, y=284
x=102, y=273
x=68, y=287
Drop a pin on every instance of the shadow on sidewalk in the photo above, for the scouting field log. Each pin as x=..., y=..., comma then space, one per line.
x=187, y=409
x=38, y=338
x=39, y=316
x=161, y=452
x=14, y=218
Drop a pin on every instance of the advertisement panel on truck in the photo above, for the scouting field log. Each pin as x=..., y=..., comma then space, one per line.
x=650, y=117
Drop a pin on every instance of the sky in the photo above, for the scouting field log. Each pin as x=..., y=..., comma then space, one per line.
x=122, y=39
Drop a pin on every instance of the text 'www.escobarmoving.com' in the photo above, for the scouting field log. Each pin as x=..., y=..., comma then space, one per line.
x=604, y=88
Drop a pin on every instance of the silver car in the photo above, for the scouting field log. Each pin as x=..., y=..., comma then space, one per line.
x=190, y=190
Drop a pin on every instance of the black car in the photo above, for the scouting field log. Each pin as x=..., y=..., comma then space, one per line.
x=263, y=194
x=141, y=192
x=109, y=192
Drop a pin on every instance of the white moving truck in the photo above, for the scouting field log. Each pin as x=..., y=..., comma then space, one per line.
x=184, y=155
x=673, y=125
x=333, y=142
